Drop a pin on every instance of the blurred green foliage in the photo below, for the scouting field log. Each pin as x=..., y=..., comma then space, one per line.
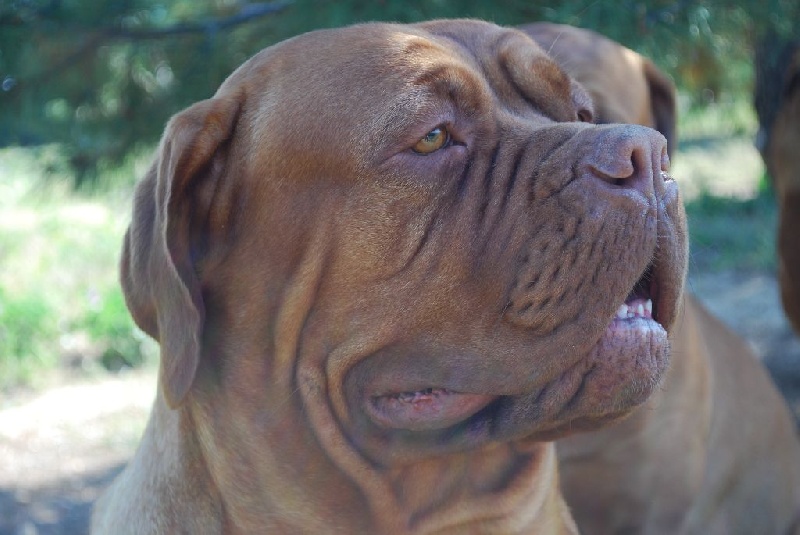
x=730, y=233
x=108, y=323
x=60, y=300
x=27, y=329
x=36, y=336
x=102, y=78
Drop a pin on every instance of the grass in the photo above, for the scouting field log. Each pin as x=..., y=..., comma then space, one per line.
x=734, y=117
x=728, y=233
x=60, y=302
x=731, y=210
x=27, y=324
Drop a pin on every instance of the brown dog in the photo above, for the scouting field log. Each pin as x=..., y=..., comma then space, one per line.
x=386, y=266
x=715, y=450
x=778, y=106
x=605, y=69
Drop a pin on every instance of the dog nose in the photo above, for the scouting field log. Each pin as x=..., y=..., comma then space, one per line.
x=629, y=156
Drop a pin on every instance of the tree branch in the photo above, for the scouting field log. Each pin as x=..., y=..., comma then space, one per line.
x=248, y=13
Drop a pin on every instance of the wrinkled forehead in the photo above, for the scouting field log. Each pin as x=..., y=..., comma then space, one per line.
x=369, y=78
x=511, y=63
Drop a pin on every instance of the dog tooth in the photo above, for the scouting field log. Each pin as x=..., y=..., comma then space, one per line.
x=648, y=306
x=622, y=311
x=640, y=310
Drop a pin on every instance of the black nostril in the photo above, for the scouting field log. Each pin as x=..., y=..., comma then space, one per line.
x=622, y=165
x=613, y=178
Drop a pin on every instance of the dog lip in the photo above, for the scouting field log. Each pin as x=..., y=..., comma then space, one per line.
x=426, y=409
x=633, y=322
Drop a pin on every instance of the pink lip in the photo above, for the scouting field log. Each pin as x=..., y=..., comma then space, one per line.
x=432, y=408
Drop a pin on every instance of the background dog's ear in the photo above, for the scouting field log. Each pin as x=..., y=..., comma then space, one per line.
x=662, y=103
x=158, y=274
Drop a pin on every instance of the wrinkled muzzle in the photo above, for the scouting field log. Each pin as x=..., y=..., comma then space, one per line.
x=582, y=241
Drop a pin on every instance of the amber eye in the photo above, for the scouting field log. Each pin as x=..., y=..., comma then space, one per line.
x=433, y=141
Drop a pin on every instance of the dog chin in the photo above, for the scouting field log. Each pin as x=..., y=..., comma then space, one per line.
x=618, y=374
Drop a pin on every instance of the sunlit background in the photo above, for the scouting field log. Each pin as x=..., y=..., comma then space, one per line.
x=85, y=91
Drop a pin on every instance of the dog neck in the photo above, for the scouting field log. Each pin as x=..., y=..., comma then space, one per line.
x=502, y=488
x=182, y=476
x=165, y=488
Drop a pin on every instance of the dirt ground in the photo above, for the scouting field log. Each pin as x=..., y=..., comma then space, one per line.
x=60, y=447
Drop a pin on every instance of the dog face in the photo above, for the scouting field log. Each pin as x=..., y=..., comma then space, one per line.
x=411, y=242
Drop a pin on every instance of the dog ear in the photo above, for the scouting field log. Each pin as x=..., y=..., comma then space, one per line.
x=158, y=274
x=662, y=103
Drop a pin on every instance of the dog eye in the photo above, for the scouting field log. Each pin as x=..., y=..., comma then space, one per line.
x=432, y=141
x=585, y=116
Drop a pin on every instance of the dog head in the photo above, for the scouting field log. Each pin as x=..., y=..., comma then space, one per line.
x=387, y=243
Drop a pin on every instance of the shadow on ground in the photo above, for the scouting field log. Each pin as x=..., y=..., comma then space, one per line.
x=60, y=508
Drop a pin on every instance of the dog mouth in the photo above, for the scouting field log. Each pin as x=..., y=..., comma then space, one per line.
x=631, y=335
x=425, y=409
x=641, y=303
